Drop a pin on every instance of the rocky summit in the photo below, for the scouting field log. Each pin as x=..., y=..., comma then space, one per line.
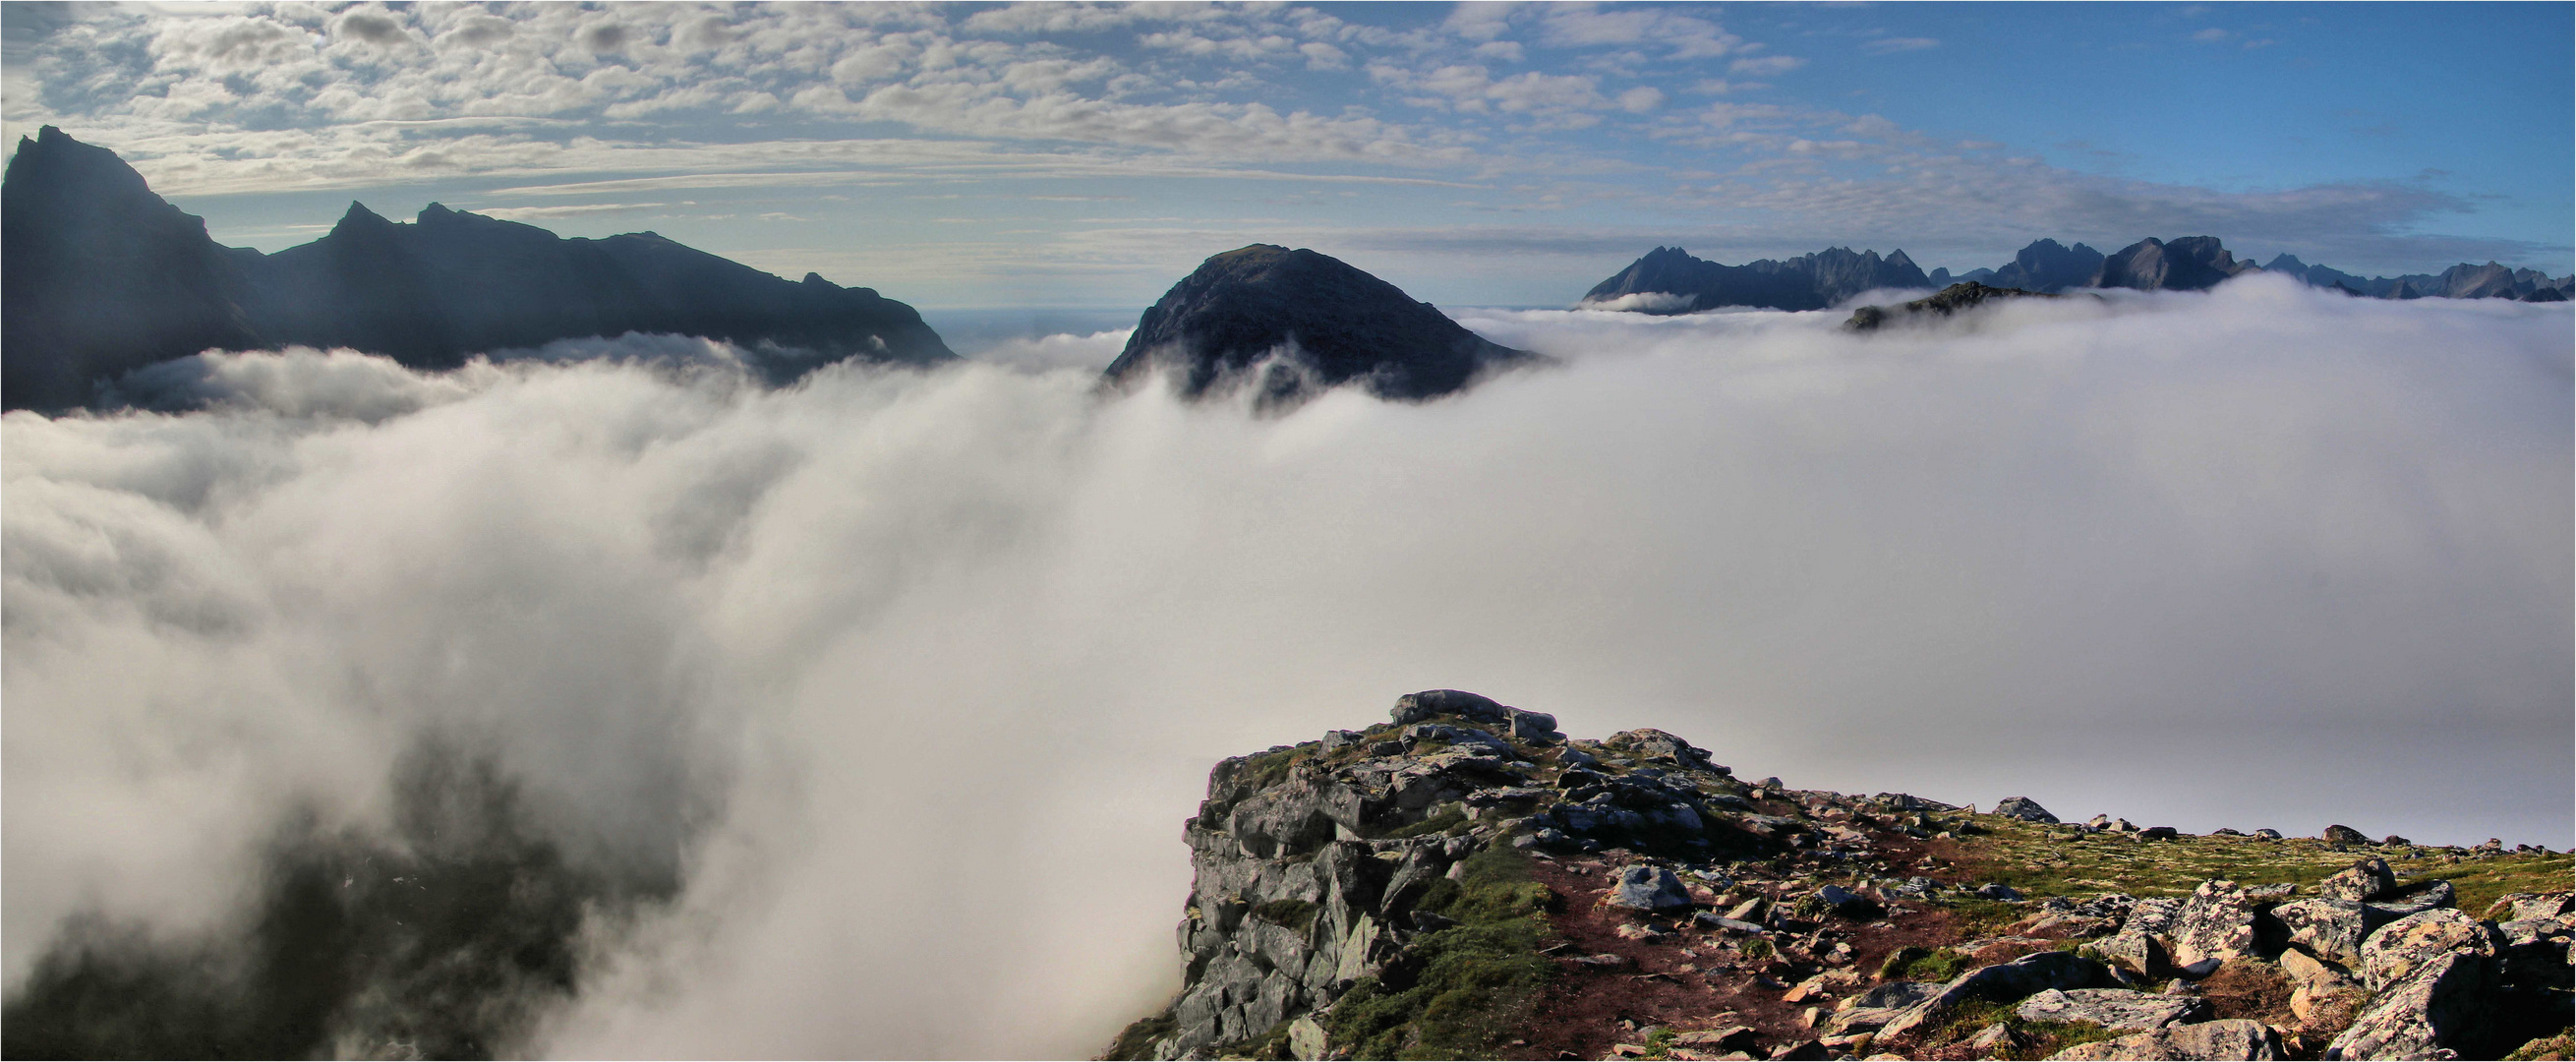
x=1670, y=280
x=1464, y=880
x=1296, y=323
x=99, y=276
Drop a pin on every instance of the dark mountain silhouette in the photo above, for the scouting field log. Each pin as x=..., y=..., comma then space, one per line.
x=1807, y=282
x=2189, y=263
x=1950, y=301
x=1306, y=322
x=103, y=277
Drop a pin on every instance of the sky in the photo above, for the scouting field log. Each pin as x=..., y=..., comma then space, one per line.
x=1477, y=155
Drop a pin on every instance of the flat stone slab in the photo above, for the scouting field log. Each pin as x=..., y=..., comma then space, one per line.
x=2112, y=1008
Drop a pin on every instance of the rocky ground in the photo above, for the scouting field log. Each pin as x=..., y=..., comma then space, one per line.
x=1464, y=881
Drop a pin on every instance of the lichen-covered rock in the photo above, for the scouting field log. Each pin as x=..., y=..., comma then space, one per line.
x=2361, y=882
x=2139, y=946
x=2515, y=907
x=2344, y=835
x=2439, y=1006
x=2407, y=901
x=2396, y=950
x=2216, y=922
x=2327, y=929
x=2025, y=809
x=2227, y=1038
x=2112, y=1008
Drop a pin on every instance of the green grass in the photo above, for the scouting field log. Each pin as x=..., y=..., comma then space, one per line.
x=2038, y=1039
x=2040, y=861
x=1463, y=989
x=1912, y=963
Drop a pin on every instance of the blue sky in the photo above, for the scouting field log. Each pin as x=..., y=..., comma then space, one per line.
x=1062, y=155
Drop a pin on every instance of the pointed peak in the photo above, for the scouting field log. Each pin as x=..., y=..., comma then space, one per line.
x=816, y=279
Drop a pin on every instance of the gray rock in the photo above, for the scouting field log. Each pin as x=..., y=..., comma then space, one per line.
x=2344, y=835
x=1533, y=726
x=2025, y=809
x=1416, y=707
x=1645, y=888
x=2159, y=833
x=2328, y=929
x=1850, y=905
x=1306, y=1040
x=2396, y=950
x=2515, y=907
x=1709, y=920
x=1880, y=1005
x=2361, y=882
x=1337, y=740
x=2003, y=983
x=2217, y=922
x=2112, y=1008
x=2438, y=1007
x=2139, y=946
x=2422, y=898
x=1997, y=891
x=1995, y=1037
x=2268, y=834
x=2227, y=1038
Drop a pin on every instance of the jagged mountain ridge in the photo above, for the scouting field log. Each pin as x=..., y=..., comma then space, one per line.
x=102, y=276
x=1465, y=881
x=1306, y=322
x=1807, y=282
x=1669, y=280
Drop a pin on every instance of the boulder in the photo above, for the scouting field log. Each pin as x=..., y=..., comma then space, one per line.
x=2112, y=1008
x=2438, y=1006
x=1416, y=707
x=2411, y=901
x=1534, y=726
x=2139, y=945
x=2328, y=929
x=2361, y=882
x=2003, y=983
x=1993, y=890
x=2227, y=1038
x=2515, y=907
x=2217, y=922
x=2395, y=951
x=2159, y=833
x=1645, y=888
x=1850, y=905
x=2025, y=809
x=2344, y=835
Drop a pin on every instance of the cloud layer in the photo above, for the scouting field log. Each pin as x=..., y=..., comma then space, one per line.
x=903, y=682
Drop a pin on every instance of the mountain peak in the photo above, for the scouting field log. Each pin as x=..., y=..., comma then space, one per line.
x=1305, y=322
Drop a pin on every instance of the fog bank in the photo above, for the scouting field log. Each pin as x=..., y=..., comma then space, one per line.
x=860, y=717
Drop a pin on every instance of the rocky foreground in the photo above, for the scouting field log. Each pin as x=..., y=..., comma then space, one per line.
x=1465, y=881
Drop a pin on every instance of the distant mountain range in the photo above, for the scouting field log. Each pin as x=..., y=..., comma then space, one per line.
x=1669, y=280
x=1305, y=322
x=99, y=276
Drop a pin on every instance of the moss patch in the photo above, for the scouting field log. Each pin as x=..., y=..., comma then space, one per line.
x=1460, y=992
x=1294, y=914
x=1136, y=1042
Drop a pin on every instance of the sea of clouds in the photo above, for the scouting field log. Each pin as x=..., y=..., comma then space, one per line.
x=860, y=717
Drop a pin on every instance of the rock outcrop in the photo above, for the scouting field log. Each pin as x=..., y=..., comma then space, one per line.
x=1944, y=303
x=1669, y=280
x=1295, y=323
x=99, y=276
x=2190, y=263
x=1465, y=880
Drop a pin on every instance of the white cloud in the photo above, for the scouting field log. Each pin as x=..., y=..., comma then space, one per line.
x=1765, y=66
x=1892, y=45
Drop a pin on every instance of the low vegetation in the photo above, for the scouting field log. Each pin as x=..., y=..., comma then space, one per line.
x=1462, y=990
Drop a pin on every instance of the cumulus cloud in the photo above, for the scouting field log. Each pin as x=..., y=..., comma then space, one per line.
x=856, y=718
